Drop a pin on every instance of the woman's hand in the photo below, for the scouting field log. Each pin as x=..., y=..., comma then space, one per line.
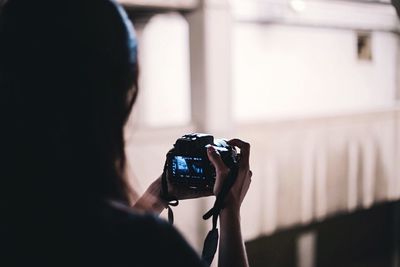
x=239, y=189
x=151, y=200
x=232, y=252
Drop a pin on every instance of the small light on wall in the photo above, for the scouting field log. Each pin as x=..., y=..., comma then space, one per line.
x=298, y=5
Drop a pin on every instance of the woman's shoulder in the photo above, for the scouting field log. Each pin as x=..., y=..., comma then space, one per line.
x=120, y=214
x=128, y=224
x=156, y=238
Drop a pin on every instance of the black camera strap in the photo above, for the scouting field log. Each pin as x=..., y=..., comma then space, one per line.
x=211, y=241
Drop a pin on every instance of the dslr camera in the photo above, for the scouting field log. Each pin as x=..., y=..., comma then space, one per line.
x=188, y=164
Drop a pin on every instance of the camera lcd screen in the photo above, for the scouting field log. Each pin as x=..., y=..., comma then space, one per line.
x=188, y=167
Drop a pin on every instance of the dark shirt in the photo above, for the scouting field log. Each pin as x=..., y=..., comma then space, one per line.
x=115, y=237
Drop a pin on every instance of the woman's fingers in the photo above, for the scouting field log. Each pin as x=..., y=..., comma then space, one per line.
x=221, y=169
x=244, y=166
x=244, y=151
x=242, y=184
x=216, y=160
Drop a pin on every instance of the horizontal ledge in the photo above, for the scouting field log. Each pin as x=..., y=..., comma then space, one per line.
x=160, y=5
x=338, y=14
x=392, y=113
x=309, y=24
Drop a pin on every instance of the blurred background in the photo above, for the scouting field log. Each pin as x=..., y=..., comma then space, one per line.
x=314, y=86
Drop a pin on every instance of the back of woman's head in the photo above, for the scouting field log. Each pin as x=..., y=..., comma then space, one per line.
x=67, y=83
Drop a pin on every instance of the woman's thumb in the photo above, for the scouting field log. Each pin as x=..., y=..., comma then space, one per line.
x=216, y=160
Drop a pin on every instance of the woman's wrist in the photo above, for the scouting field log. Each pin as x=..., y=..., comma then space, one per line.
x=151, y=200
x=229, y=214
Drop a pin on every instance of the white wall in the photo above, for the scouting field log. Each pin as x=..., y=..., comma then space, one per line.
x=164, y=71
x=284, y=72
x=279, y=72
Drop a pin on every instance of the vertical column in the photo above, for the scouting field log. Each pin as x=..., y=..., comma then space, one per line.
x=308, y=182
x=397, y=97
x=137, y=116
x=269, y=198
x=306, y=249
x=397, y=6
x=352, y=176
x=210, y=74
x=321, y=193
x=210, y=59
x=368, y=172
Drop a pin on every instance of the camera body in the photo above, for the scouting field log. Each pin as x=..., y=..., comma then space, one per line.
x=188, y=164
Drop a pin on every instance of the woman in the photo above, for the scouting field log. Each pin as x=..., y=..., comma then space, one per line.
x=68, y=81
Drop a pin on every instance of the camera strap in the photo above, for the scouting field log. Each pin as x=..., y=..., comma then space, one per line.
x=211, y=241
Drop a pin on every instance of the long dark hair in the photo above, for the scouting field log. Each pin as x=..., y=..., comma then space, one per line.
x=68, y=80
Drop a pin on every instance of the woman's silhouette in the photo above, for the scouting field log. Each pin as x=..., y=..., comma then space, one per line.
x=68, y=80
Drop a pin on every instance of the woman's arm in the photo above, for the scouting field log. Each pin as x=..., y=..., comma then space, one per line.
x=231, y=247
x=151, y=200
x=232, y=252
